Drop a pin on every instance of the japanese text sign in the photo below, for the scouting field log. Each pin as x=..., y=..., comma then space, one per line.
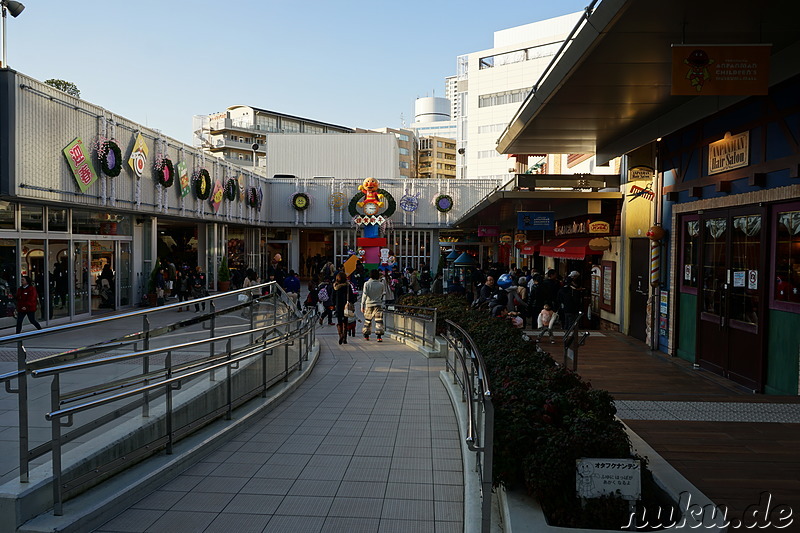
x=80, y=164
x=595, y=478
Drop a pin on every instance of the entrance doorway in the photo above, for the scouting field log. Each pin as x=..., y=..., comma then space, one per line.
x=639, y=288
x=732, y=295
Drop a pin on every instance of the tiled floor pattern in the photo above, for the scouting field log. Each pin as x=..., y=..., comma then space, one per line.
x=708, y=411
x=368, y=443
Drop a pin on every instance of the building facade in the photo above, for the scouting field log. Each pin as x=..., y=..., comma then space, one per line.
x=437, y=158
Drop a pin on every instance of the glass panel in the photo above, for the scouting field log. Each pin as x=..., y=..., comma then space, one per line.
x=58, y=262
x=787, y=257
x=8, y=281
x=32, y=217
x=124, y=271
x=56, y=219
x=746, y=253
x=714, y=258
x=80, y=272
x=96, y=223
x=7, y=210
x=34, y=267
x=691, y=235
x=102, y=275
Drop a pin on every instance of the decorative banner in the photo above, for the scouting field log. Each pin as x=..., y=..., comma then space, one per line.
x=241, y=188
x=367, y=220
x=138, y=159
x=535, y=220
x=338, y=201
x=488, y=231
x=80, y=165
x=720, y=69
x=183, y=178
x=217, y=195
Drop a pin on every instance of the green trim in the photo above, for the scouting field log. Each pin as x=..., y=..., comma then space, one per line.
x=783, y=361
x=687, y=327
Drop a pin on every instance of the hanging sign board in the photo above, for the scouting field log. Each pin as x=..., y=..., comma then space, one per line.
x=80, y=164
x=488, y=231
x=535, y=220
x=702, y=70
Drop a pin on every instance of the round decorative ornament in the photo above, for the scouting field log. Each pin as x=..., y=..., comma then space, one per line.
x=655, y=233
x=391, y=204
x=252, y=197
x=338, y=201
x=202, y=184
x=370, y=209
x=443, y=203
x=165, y=172
x=300, y=201
x=231, y=189
x=110, y=158
x=409, y=203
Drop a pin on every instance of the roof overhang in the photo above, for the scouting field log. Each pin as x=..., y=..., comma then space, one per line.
x=609, y=92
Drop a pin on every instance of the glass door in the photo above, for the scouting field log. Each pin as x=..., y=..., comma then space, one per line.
x=58, y=263
x=103, y=276
x=124, y=275
x=80, y=276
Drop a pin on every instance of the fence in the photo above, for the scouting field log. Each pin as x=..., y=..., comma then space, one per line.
x=127, y=398
x=417, y=323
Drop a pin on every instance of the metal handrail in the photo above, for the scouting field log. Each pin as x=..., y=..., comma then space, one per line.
x=425, y=315
x=477, y=394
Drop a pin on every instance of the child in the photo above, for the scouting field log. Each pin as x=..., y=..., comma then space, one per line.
x=516, y=320
x=351, y=326
x=546, y=320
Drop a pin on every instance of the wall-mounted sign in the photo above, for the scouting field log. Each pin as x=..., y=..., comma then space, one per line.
x=505, y=238
x=535, y=220
x=488, y=231
x=599, y=226
x=80, y=164
x=641, y=172
x=720, y=69
x=138, y=158
x=520, y=237
x=733, y=151
x=595, y=478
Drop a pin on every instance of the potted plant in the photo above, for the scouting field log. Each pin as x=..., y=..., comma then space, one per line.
x=223, y=275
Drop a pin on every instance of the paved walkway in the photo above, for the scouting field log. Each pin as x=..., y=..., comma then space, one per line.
x=368, y=443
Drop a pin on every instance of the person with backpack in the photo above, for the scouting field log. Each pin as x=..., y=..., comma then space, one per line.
x=324, y=298
x=343, y=298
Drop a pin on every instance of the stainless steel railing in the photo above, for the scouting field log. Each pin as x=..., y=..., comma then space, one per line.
x=159, y=394
x=418, y=323
x=469, y=372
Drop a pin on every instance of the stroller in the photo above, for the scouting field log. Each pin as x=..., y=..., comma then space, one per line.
x=106, y=295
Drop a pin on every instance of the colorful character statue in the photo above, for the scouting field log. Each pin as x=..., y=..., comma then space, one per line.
x=698, y=62
x=372, y=198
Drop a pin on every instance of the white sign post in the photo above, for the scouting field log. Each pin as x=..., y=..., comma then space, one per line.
x=622, y=478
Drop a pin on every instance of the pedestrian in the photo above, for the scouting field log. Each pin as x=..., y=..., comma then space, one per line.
x=27, y=298
x=570, y=299
x=183, y=286
x=105, y=282
x=250, y=280
x=373, y=298
x=343, y=298
x=199, y=289
x=291, y=284
x=326, y=301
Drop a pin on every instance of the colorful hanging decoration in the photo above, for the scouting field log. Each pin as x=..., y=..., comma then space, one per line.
x=165, y=171
x=338, y=201
x=300, y=201
x=110, y=157
x=217, y=195
x=80, y=164
x=409, y=202
x=389, y=202
x=252, y=198
x=202, y=184
x=231, y=190
x=443, y=203
x=138, y=159
x=183, y=178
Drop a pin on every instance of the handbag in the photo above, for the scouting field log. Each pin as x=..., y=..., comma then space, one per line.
x=349, y=310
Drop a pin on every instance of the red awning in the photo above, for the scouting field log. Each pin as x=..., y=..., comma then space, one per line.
x=568, y=248
x=530, y=247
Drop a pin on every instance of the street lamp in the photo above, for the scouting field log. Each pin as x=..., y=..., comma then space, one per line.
x=15, y=8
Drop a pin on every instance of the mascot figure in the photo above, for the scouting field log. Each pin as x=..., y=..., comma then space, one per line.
x=371, y=196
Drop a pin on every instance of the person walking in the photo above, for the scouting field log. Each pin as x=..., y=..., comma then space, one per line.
x=199, y=287
x=183, y=286
x=373, y=297
x=343, y=296
x=27, y=299
x=250, y=280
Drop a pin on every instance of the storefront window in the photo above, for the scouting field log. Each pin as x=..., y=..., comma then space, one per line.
x=57, y=219
x=714, y=261
x=58, y=265
x=691, y=236
x=97, y=223
x=786, y=280
x=34, y=267
x=745, y=257
x=7, y=211
x=8, y=280
x=32, y=217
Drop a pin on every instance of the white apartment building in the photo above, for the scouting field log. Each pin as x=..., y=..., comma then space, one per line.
x=492, y=84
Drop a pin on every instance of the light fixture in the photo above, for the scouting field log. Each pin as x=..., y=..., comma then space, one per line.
x=15, y=8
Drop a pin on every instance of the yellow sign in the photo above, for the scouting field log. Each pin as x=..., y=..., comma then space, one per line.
x=599, y=226
x=350, y=264
x=733, y=151
x=138, y=159
x=720, y=69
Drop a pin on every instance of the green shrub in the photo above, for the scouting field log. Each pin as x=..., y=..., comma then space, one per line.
x=223, y=272
x=546, y=417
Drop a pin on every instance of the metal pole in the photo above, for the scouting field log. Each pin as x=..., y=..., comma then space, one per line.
x=55, y=435
x=168, y=392
x=22, y=405
x=146, y=366
x=5, y=12
x=228, y=385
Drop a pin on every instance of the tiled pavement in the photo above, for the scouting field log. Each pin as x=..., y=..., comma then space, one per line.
x=368, y=443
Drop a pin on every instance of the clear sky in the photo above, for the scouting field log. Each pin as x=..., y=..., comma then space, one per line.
x=353, y=63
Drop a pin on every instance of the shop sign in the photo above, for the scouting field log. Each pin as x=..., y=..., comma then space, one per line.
x=488, y=231
x=80, y=164
x=599, y=226
x=535, y=220
x=699, y=70
x=505, y=238
x=641, y=173
x=520, y=237
x=729, y=153
x=595, y=478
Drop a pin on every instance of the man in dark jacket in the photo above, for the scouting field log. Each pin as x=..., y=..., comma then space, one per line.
x=570, y=299
x=548, y=289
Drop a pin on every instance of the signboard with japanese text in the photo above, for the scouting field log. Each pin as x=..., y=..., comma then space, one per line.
x=595, y=478
x=731, y=152
x=80, y=164
x=535, y=220
x=717, y=69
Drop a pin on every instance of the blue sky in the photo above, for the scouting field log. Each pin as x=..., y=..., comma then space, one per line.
x=353, y=63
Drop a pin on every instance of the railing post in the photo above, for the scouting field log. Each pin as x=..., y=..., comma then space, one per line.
x=55, y=445
x=146, y=365
x=286, y=361
x=229, y=384
x=22, y=407
x=168, y=399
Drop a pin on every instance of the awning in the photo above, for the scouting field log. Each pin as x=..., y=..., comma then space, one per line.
x=530, y=247
x=568, y=248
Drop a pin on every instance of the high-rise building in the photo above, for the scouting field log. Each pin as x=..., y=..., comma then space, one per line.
x=437, y=157
x=432, y=118
x=491, y=85
x=407, y=148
